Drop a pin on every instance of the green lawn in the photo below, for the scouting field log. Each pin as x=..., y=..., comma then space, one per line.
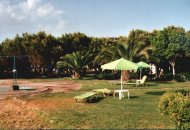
x=139, y=112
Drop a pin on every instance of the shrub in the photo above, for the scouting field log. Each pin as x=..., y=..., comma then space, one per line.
x=180, y=78
x=186, y=74
x=168, y=77
x=107, y=75
x=183, y=92
x=133, y=75
x=151, y=76
x=177, y=106
x=100, y=76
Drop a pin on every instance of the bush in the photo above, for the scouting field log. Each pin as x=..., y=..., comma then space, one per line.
x=133, y=75
x=177, y=106
x=186, y=74
x=100, y=76
x=168, y=76
x=183, y=92
x=107, y=75
x=180, y=78
x=151, y=76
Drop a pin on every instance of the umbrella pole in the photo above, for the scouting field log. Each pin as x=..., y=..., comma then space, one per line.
x=121, y=81
x=140, y=74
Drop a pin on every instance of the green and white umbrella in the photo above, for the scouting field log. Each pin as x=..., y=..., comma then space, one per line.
x=120, y=64
x=142, y=65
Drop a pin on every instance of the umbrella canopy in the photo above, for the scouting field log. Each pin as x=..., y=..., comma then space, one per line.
x=120, y=64
x=141, y=65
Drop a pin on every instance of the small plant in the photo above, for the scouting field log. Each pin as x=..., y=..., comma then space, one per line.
x=176, y=105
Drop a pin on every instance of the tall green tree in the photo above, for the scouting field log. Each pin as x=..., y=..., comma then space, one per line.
x=135, y=48
x=170, y=44
x=44, y=50
x=73, y=42
x=138, y=46
x=15, y=47
x=187, y=45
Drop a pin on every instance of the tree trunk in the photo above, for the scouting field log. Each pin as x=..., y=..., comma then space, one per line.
x=173, y=69
x=76, y=75
x=172, y=63
x=125, y=75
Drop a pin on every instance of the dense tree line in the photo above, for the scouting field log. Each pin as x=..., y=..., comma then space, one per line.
x=76, y=53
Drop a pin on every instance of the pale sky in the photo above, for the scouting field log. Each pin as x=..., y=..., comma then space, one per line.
x=99, y=18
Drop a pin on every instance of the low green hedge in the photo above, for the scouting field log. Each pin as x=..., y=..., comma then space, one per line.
x=166, y=77
x=107, y=75
x=176, y=104
x=180, y=78
x=187, y=75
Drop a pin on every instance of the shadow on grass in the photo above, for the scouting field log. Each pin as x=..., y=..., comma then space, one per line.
x=88, y=78
x=164, y=82
x=95, y=100
x=152, y=84
x=133, y=97
x=156, y=93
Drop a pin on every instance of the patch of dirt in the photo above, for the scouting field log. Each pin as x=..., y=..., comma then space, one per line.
x=44, y=104
x=16, y=114
x=41, y=87
x=20, y=114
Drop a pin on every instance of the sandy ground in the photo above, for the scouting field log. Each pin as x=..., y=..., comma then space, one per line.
x=20, y=114
x=40, y=87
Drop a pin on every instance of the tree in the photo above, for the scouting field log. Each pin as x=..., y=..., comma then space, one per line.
x=187, y=45
x=170, y=44
x=138, y=46
x=44, y=50
x=15, y=47
x=104, y=45
x=135, y=48
x=76, y=61
x=73, y=42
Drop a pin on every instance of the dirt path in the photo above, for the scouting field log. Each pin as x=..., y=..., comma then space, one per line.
x=21, y=114
x=40, y=87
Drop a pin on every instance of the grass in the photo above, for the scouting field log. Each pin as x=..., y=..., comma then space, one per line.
x=138, y=112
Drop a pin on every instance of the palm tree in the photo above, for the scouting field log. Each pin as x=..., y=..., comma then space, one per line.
x=76, y=61
x=134, y=50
